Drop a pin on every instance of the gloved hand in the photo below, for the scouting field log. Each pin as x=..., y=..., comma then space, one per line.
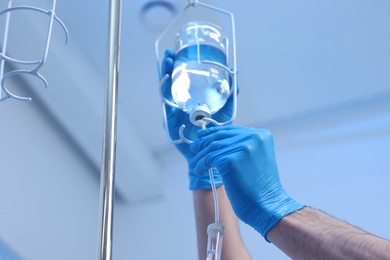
x=176, y=118
x=245, y=159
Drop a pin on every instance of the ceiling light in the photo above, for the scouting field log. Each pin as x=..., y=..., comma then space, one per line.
x=156, y=15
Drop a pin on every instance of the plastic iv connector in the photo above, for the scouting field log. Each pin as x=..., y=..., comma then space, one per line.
x=36, y=65
x=215, y=232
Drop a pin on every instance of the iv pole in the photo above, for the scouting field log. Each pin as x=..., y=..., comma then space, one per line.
x=107, y=175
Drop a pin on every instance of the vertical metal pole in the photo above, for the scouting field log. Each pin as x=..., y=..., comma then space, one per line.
x=107, y=183
x=4, y=50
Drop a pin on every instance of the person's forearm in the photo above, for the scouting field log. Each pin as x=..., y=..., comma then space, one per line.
x=233, y=247
x=311, y=234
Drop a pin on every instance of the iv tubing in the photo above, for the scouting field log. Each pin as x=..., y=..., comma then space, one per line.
x=215, y=195
x=107, y=176
x=213, y=188
x=215, y=231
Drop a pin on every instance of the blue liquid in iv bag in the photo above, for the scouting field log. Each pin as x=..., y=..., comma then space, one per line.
x=197, y=84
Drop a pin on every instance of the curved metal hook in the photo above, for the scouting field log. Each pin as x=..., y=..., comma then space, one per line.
x=182, y=139
x=233, y=73
x=32, y=8
x=7, y=58
x=163, y=98
x=16, y=72
x=38, y=63
x=219, y=65
x=62, y=24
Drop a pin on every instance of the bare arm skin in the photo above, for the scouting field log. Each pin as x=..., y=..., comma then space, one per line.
x=311, y=234
x=232, y=247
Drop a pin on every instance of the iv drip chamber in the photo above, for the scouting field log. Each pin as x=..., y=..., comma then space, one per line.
x=215, y=233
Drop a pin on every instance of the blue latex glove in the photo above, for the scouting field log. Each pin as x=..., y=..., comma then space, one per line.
x=245, y=159
x=177, y=117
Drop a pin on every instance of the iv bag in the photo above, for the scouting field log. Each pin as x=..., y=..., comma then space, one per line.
x=200, y=85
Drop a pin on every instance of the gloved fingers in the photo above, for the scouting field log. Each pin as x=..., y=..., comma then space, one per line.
x=221, y=141
x=169, y=53
x=234, y=129
x=206, y=157
x=224, y=160
x=209, y=135
x=230, y=130
x=201, y=164
x=217, y=140
x=167, y=63
x=173, y=114
x=167, y=67
x=175, y=118
x=166, y=87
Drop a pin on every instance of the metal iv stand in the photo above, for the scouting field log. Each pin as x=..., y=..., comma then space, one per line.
x=107, y=175
x=107, y=184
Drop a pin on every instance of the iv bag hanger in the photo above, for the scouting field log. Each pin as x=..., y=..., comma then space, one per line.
x=37, y=64
x=232, y=72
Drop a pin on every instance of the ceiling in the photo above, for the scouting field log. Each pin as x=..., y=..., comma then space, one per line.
x=296, y=60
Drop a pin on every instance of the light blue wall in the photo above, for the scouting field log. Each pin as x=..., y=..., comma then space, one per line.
x=48, y=194
x=7, y=253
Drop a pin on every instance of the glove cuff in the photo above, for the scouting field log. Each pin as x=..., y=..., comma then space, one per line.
x=275, y=214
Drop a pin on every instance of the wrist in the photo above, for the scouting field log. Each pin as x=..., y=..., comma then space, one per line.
x=274, y=212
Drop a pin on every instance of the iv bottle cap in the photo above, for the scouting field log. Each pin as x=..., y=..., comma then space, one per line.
x=198, y=113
